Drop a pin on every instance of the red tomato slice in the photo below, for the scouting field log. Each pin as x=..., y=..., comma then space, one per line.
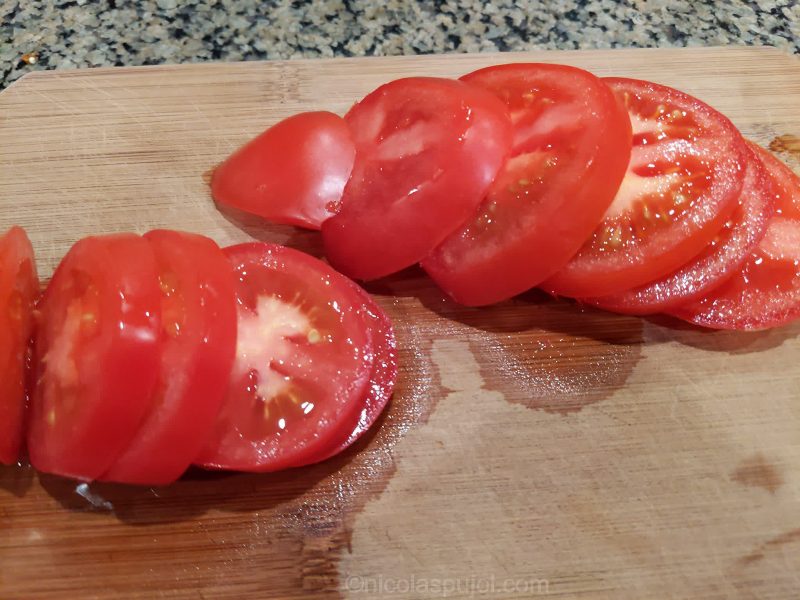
x=682, y=186
x=766, y=291
x=19, y=288
x=97, y=352
x=381, y=381
x=293, y=173
x=722, y=258
x=198, y=328
x=302, y=366
x=572, y=141
x=426, y=151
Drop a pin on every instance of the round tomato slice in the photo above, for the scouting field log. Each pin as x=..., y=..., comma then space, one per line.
x=682, y=186
x=198, y=329
x=720, y=260
x=572, y=142
x=19, y=288
x=96, y=354
x=766, y=290
x=382, y=379
x=293, y=173
x=426, y=151
x=302, y=366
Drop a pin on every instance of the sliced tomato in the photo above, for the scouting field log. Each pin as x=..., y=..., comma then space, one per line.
x=682, y=186
x=96, y=355
x=766, y=290
x=382, y=379
x=302, y=366
x=720, y=260
x=427, y=150
x=19, y=288
x=293, y=173
x=198, y=328
x=572, y=142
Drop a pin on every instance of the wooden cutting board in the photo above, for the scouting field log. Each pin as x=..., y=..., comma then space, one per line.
x=532, y=447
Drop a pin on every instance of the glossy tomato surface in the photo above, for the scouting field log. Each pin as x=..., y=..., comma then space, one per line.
x=303, y=362
x=682, y=185
x=293, y=173
x=766, y=290
x=19, y=289
x=572, y=142
x=96, y=356
x=382, y=379
x=198, y=331
x=720, y=260
x=427, y=150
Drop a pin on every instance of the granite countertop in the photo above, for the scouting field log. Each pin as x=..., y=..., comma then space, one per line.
x=52, y=34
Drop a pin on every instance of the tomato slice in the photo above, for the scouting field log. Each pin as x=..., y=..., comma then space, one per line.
x=382, y=379
x=682, y=186
x=572, y=142
x=720, y=260
x=293, y=173
x=766, y=290
x=426, y=151
x=19, y=288
x=96, y=355
x=302, y=365
x=198, y=328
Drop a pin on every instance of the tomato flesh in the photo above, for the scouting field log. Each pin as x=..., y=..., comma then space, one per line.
x=765, y=292
x=382, y=379
x=572, y=142
x=293, y=173
x=302, y=365
x=19, y=288
x=682, y=185
x=96, y=356
x=719, y=261
x=427, y=150
x=198, y=329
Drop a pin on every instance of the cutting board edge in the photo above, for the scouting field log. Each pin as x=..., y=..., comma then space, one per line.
x=34, y=77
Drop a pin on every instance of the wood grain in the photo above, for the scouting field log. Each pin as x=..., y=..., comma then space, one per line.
x=532, y=447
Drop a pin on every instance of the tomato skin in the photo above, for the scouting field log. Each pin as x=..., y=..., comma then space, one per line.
x=292, y=173
x=719, y=261
x=313, y=360
x=765, y=292
x=426, y=151
x=199, y=343
x=381, y=382
x=572, y=142
x=96, y=355
x=19, y=289
x=617, y=257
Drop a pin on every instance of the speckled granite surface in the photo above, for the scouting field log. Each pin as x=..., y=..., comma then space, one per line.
x=53, y=34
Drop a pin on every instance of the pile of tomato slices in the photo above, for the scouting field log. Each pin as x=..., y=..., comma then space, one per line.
x=623, y=194
x=148, y=354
